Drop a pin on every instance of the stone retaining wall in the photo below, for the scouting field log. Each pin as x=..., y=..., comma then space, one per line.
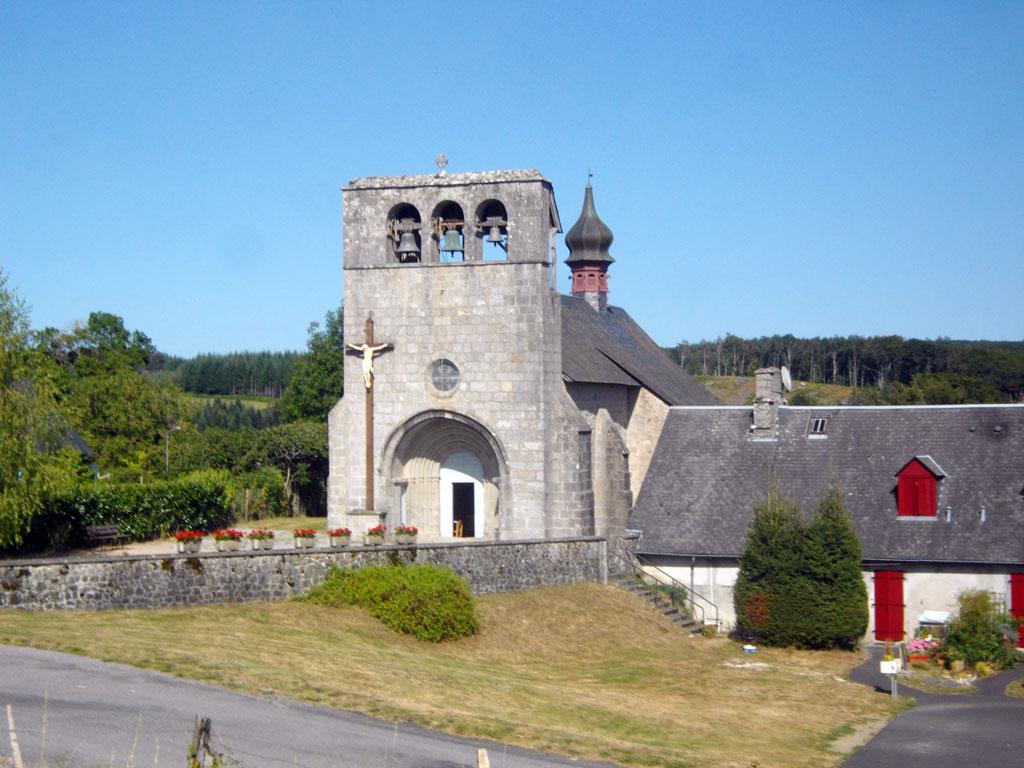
x=157, y=581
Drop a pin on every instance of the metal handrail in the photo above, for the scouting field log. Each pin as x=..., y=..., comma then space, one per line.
x=646, y=563
x=638, y=565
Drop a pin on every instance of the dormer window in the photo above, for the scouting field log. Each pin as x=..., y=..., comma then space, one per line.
x=916, y=492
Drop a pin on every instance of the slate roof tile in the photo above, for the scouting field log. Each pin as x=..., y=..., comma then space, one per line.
x=707, y=473
x=610, y=348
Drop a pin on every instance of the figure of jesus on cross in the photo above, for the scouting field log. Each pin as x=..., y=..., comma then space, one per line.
x=368, y=350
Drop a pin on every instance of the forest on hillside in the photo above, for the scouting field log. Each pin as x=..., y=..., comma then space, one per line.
x=983, y=371
x=234, y=373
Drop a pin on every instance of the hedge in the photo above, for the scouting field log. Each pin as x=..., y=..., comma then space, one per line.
x=199, y=501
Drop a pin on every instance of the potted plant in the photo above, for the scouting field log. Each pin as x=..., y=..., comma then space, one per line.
x=261, y=538
x=189, y=541
x=228, y=539
x=304, y=537
x=375, y=536
x=920, y=648
x=340, y=537
x=405, y=534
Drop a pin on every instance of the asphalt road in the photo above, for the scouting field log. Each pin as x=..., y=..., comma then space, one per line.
x=78, y=712
x=946, y=730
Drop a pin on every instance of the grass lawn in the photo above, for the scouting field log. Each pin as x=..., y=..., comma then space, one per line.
x=285, y=523
x=586, y=671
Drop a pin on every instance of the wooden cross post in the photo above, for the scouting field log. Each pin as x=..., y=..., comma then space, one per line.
x=368, y=350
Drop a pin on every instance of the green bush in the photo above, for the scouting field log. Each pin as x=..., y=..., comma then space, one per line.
x=425, y=601
x=800, y=584
x=980, y=633
x=199, y=500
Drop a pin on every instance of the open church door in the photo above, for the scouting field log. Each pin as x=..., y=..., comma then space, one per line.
x=461, y=496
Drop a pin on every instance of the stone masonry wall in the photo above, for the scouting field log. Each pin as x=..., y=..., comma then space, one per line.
x=159, y=581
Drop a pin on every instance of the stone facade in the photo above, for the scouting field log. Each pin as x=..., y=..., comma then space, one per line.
x=161, y=581
x=494, y=315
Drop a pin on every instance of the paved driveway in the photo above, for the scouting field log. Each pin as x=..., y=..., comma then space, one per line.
x=110, y=714
x=946, y=731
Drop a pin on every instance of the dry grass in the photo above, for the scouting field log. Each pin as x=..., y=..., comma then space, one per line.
x=739, y=390
x=586, y=671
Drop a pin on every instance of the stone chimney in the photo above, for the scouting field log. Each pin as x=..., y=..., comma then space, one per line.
x=588, y=241
x=768, y=396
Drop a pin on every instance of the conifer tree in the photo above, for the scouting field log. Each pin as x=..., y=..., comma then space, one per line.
x=838, y=613
x=767, y=578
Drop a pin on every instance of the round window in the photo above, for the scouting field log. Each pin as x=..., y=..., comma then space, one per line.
x=444, y=375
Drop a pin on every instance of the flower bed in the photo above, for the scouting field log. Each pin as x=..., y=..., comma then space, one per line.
x=375, y=536
x=261, y=538
x=304, y=537
x=340, y=537
x=228, y=539
x=189, y=541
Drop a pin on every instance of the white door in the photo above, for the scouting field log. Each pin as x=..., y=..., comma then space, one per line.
x=461, y=467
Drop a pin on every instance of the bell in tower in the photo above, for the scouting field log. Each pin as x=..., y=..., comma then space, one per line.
x=588, y=241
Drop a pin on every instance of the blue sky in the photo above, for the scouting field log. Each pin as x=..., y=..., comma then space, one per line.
x=815, y=169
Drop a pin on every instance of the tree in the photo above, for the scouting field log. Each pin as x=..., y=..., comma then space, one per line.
x=801, y=584
x=765, y=586
x=34, y=458
x=318, y=378
x=299, y=450
x=838, y=611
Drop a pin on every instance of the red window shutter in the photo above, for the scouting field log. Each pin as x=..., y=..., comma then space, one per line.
x=915, y=491
x=1017, y=604
x=889, y=605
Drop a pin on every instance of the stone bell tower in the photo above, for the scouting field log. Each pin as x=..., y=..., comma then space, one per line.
x=458, y=429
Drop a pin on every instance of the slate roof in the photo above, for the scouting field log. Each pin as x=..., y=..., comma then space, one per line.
x=610, y=348
x=707, y=473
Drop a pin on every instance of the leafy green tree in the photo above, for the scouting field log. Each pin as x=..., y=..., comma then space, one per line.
x=299, y=450
x=318, y=379
x=34, y=458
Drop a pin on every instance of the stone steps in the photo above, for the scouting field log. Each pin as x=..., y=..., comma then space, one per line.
x=662, y=603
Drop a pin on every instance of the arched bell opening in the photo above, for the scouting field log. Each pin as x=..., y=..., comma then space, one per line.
x=403, y=235
x=447, y=474
x=492, y=229
x=449, y=224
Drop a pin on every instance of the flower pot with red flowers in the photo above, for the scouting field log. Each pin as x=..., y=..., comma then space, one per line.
x=405, y=534
x=340, y=537
x=189, y=541
x=261, y=538
x=228, y=539
x=304, y=538
x=374, y=537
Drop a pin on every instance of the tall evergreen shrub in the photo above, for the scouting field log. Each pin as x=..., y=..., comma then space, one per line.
x=800, y=584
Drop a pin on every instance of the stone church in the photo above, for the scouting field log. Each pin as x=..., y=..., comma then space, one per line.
x=481, y=403
x=492, y=407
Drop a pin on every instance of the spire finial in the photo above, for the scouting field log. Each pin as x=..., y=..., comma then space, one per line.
x=590, y=175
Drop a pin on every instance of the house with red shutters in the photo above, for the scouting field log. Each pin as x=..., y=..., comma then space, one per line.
x=936, y=494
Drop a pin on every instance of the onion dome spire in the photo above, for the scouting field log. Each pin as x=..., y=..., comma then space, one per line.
x=589, y=238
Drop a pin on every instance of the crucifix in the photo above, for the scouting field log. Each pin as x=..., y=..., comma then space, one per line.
x=368, y=350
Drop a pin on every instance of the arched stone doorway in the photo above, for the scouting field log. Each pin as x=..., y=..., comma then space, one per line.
x=446, y=471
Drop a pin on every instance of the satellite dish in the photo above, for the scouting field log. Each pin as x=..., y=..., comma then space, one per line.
x=787, y=381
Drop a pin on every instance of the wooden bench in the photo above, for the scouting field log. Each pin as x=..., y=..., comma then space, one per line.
x=104, y=534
